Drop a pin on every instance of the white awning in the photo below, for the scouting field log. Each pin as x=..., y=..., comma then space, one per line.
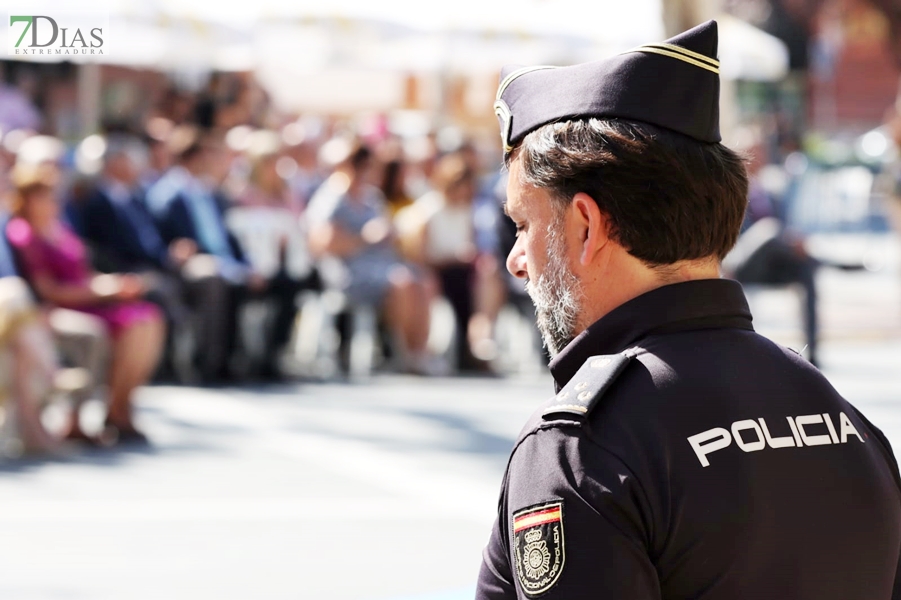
x=390, y=34
x=749, y=53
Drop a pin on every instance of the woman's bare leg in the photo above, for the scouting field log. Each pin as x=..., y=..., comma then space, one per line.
x=396, y=304
x=419, y=318
x=136, y=353
x=407, y=312
x=490, y=296
x=29, y=366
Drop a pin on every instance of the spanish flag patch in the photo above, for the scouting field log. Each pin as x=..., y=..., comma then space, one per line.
x=538, y=547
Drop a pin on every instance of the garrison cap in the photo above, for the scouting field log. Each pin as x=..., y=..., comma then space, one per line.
x=673, y=84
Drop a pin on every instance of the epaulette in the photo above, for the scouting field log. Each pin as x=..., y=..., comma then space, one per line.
x=585, y=389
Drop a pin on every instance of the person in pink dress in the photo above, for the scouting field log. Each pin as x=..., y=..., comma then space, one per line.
x=55, y=263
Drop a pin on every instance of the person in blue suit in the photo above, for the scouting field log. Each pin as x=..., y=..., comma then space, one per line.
x=114, y=219
x=124, y=237
x=187, y=206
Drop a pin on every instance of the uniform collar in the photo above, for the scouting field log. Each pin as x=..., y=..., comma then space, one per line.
x=700, y=304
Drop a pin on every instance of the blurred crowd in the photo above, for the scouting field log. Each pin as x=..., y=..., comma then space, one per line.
x=188, y=249
x=210, y=240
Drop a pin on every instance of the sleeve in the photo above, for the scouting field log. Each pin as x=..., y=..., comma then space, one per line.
x=495, y=580
x=27, y=249
x=577, y=524
x=896, y=589
x=893, y=463
x=162, y=218
x=170, y=216
x=885, y=448
x=155, y=247
x=237, y=249
x=323, y=206
x=91, y=215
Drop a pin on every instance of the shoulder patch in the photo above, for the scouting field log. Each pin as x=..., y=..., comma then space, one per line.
x=588, y=385
x=538, y=547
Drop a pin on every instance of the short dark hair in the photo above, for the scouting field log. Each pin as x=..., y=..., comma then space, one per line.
x=359, y=157
x=451, y=170
x=669, y=197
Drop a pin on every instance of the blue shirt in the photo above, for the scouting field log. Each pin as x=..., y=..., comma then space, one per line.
x=206, y=225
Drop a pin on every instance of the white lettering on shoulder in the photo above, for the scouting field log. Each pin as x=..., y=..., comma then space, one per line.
x=847, y=428
x=748, y=425
x=752, y=435
x=710, y=441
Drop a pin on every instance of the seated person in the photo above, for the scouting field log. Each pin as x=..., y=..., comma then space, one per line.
x=31, y=365
x=275, y=212
x=79, y=338
x=53, y=260
x=124, y=238
x=394, y=186
x=31, y=352
x=186, y=205
x=445, y=242
x=266, y=188
x=114, y=218
x=348, y=220
x=769, y=253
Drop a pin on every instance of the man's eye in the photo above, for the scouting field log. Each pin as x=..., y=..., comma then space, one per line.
x=520, y=228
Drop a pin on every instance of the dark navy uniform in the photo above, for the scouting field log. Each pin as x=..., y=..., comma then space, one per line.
x=686, y=456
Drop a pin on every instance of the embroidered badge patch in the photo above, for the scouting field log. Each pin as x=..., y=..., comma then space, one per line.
x=538, y=547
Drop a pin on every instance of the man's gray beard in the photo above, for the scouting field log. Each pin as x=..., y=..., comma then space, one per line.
x=557, y=296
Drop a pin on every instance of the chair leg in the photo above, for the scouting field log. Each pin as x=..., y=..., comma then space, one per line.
x=362, y=343
x=315, y=344
x=184, y=347
x=10, y=440
x=444, y=335
x=307, y=329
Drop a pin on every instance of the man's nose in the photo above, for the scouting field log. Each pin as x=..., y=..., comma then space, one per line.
x=516, y=261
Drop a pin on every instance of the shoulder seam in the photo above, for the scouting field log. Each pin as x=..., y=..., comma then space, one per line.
x=542, y=426
x=590, y=439
x=577, y=425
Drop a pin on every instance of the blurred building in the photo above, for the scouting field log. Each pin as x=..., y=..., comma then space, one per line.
x=340, y=59
x=854, y=69
x=843, y=58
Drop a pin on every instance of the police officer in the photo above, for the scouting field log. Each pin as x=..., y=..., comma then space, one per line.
x=683, y=456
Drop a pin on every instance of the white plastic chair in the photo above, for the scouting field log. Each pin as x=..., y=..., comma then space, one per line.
x=261, y=232
x=317, y=338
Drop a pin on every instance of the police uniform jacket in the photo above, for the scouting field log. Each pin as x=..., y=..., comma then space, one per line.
x=686, y=456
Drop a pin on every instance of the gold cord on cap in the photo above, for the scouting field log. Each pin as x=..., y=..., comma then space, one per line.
x=679, y=53
x=515, y=74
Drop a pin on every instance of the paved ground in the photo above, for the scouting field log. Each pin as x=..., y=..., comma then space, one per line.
x=383, y=491
x=329, y=491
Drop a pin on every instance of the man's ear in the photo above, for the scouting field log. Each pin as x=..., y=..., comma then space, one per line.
x=593, y=226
